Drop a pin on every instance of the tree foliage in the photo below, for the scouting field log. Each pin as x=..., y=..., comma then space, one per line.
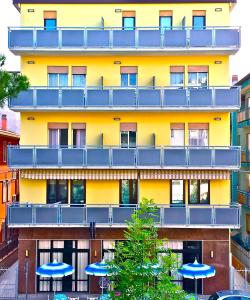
x=135, y=276
x=11, y=84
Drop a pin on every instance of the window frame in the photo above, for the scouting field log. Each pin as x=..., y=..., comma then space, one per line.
x=128, y=135
x=128, y=28
x=179, y=84
x=171, y=192
x=128, y=80
x=199, y=28
x=162, y=28
x=49, y=28
x=58, y=80
x=199, y=192
x=57, y=191
x=197, y=80
x=130, y=192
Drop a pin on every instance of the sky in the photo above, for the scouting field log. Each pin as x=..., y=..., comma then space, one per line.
x=240, y=63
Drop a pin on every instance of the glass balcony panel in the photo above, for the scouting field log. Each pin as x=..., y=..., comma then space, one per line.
x=73, y=157
x=200, y=157
x=47, y=215
x=175, y=97
x=201, y=38
x=149, y=38
x=149, y=97
x=99, y=215
x=227, y=97
x=149, y=157
x=124, y=97
x=72, y=38
x=98, y=38
x=124, y=38
x=175, y=38
x=98, y=157
x=47, y=157
x=225, y=157
x=97, y=98
x=175, y=157
x=200, y=216
x=47, y=38
x=47, y=97
x=20, y=215
x=73, y=97
x=200, y=97
x=227, y=38
x=20, y=157
x=174, y=216
x=122, y=214
x=21, y=38
x=24, y=98
x=123, y=157
x=73, y=215
x=226, y=216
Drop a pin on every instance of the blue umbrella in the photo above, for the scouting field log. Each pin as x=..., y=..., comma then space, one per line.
x=55, y=270
x=98, y=269
x=196, y=271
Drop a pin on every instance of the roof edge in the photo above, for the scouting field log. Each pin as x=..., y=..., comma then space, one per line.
x=243, y=79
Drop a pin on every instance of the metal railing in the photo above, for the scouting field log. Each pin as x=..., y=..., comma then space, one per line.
x=126, y=158
x=244, y=198
x=243, y=115
x=145, y=97
x=115, y=38
x=27, y=214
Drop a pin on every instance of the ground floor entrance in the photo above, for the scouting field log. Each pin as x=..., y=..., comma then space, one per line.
x=81, y=246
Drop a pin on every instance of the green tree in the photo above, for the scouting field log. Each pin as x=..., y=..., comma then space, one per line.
x=11, y=84
x=134, y=274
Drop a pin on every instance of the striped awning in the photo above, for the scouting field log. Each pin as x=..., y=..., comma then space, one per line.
x=80, y=174
x=179, y=174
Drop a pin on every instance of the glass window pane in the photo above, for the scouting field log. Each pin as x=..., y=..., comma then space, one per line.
x=128, y=23
x=202, y=79
x=193, y=192
x=63, y=137
x=177, y=137
x=63, y=79
x=51, y=191
x=62, y=191
x=79, y=138
x=177, y=79
x=53, y=137
x=133, y=79
x=204, y=191
x=124, y=139
x=192, y=78
x=198, y=137
x=125, y=192
x=124, y=79
x=79, y=80
x=50, y=24
x=77, y=192
x=134, y=192
x=199, y=22
x=166, y=23
x=177, y=191
x=132, y=139
x=53, y=79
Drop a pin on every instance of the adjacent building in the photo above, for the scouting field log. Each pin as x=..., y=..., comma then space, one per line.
x=128, y=99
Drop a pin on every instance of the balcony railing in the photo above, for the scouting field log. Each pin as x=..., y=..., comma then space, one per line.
x=245, y=156
x=30, y=215
x=86, y=39
x=243, y=117
x=120, y=98
x=244, y=198
x=126, y=158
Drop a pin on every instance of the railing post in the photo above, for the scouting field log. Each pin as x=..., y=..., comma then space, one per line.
x=35, y=97
x=34, y=42
x=187, y=97
x=33, y=215
x=111, y=97
x=187, y=37
x=136, y=38
x=162, y=157
x=59, y=32
x=34, y=157
x=162, y=97
x=60, y=97
x=85, y=38
x=213, y=215
x=187, y=157
x=187, y=215
x=213, y=157
x=111, y=38
x=110, y=215
x=137, y=97
x=213, y=37
x=59, y=157
x=213, y=96
x=110, y=157
x=162, y=215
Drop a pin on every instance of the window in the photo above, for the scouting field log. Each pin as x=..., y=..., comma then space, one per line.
x=128, y=139
x=128, y=192
x=79, y=76
x=79, y=138
x=4, y=191
x=57, y=191
x=197, y=78
x=128, y=79
x=199, y=191
x=128, y=23
x=58, y=137
x=50, y=24
x=198, y=137
x=58, y=79
x=199, y=22
x=9, y=192
x=165, y=23
x=177, y=79
x=177, y=134
x=78, y=191
x=177, y=192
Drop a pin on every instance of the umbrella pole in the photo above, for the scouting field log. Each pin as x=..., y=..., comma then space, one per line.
x=196, y=290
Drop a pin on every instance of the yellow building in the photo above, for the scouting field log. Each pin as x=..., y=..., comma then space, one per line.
x=128, y=99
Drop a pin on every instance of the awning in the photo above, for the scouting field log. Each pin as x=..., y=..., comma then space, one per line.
x=179, y=174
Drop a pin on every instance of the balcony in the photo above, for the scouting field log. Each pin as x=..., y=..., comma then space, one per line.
x=92, y=40
x=27, y=157
x=244, y=198
x=245, y=157
x=125, y=99
x=67, y=215
x=243, y=117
